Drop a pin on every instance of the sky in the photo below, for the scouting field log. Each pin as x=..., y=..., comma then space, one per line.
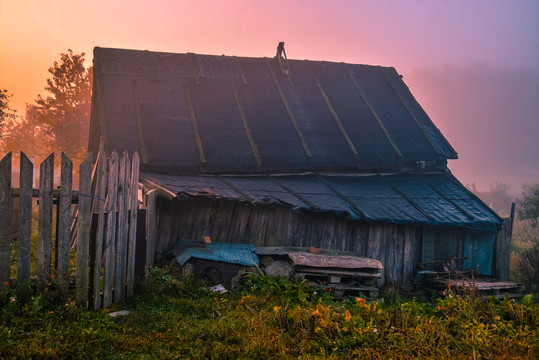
x=472, y=64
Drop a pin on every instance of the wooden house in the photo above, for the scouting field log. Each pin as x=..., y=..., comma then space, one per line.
x=271, y=151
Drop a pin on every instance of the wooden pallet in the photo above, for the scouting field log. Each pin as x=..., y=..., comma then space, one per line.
x=342, y=282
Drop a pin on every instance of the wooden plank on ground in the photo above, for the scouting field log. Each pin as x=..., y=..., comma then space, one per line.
x=25, y=218
x=110, y=233
x=121, y=241
x=329, y=261
x=44, y=247
x=150, y=228
x=5, y=218
x=64, y=222
x=83, y=231
x=133, y=209
x=99, y=207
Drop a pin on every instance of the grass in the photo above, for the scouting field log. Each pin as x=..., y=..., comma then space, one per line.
x=268, y=319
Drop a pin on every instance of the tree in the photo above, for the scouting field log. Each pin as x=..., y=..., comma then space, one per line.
x=64, y=116
x=528, y=203
x=57, y=122
x=26, y=134
x=6, y=113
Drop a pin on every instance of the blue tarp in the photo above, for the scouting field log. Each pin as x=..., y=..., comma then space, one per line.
x=433, y=199
x=240, y=254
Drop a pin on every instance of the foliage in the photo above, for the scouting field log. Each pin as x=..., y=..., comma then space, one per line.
x=59, y=121
x=294, y=290
x=528, y=266
x=6, y=113
x=26, y=134
x=528, y=203
x=181, y=319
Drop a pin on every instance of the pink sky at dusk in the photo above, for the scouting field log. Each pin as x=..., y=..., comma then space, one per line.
x=413, y=36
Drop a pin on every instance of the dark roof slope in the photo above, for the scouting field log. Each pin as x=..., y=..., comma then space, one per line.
x=431, y=198
x=190, y=114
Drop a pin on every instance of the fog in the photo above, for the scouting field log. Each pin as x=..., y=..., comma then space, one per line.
x=472, y=64
x=490, y=116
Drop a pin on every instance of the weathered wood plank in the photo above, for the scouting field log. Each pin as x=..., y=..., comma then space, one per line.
x=503, y=249
x=16, y=192
x=110, y=234
x=121, y=241
x=83, y=231
x=376, y=247
x=408, y=259
x=150, y=229
x=25, y=218
x=5, y=218
x=394, y=252
x=99, y=207
x=64, y=221
x=133, y=210
x=44, y=247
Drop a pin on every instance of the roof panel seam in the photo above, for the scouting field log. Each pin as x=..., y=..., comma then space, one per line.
x=405, y=197
x=342, y=196
x=292, y=192
x=289, y=111
x=334, y=113
x=416, y=120
x=373, y=111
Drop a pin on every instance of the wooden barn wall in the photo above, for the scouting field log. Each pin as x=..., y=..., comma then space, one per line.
x=398, y=247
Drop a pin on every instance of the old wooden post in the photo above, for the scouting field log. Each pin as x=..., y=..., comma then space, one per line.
x=5, y=218
x=83, y=231
x=64, y=222
x=46, y=176
x=110, y=236
x=150, y=229
x=123, y=208
x=100, y=205
x=133, y=210
x=25, y=218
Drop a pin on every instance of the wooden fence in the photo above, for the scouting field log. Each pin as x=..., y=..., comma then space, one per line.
x=101, y=256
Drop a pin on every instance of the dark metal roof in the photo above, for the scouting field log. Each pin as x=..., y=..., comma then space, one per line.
x=189, y=114
x=432, y=199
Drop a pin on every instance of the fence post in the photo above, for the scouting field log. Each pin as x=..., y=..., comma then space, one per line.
x=100, y=203
x=83, y=231
x=25, y=218
x=123, y=207
x=64, y=222
x=150, y=229
x=5, y=218
x=46, y=178
x=133, y=208
x=110, y=238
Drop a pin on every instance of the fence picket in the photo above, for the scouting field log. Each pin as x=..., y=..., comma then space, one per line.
x=83, y=231
x=5, y=218
x=133, y=210
x=64, y=222
x=121, y=246
x=25, y=218
x=102, y=173
x=46, y=176
x=110, y=238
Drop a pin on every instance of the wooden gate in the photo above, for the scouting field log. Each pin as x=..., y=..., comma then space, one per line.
x=102, y=261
